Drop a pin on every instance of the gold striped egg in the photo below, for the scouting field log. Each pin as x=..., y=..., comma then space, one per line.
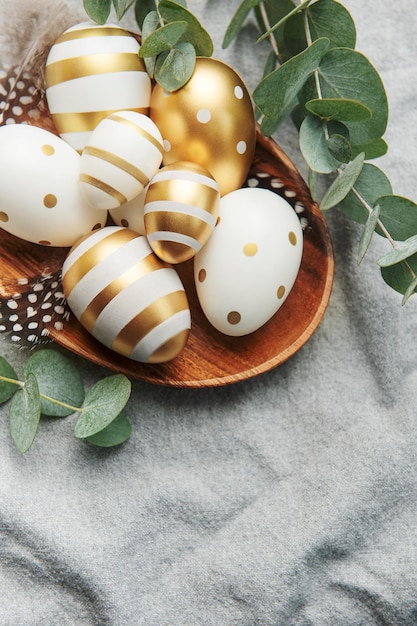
x=209, y=121
x=122, y=154
x=127, y=298
x=92, y=71
x=180, y=210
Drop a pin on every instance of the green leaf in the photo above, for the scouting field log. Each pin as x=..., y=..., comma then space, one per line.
x=314, y=146
x=278, y=91
x=162, y=39
x=114, y=434
x=345, y=73
x=399, y=216
x=98, y=10
x=398, y=276
x=7, y=390
x=340, y=148
x=368, y=232
x=297, y=9
x=372, y=150
x=150, y=25
x=175, y=67
x=340, y=109
x=121, y=7
x=342, y=184
x=370, y=186
x=401, y=252
x=103, y=403
x=196, y=35
x=275, y=11
x=313, y=184
x=58, y=378
x=326, y=18
x=237, y=20
x=411, y=289
x=24, y=414
x=142, y=9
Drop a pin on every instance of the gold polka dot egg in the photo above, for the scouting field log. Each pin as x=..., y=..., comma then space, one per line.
x=125, y=296
x=247, y=269
x=92, y=71
x=40, y=197
x=210, y=121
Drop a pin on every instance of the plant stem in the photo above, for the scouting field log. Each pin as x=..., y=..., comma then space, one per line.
x=268, y=29
x=21, y=384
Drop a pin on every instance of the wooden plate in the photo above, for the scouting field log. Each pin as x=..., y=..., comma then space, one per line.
x=210, y=358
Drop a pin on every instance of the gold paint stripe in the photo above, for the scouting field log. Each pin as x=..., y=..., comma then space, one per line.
x=85, y=121
x=170, y=349
x=86, y=33
x=94, y=255
x=171, y=221
x=117, y=161
x=91, y=65
x=108, y=189
x=138, y=129
x=147, y=320
x=186, y=191
x=146, y=265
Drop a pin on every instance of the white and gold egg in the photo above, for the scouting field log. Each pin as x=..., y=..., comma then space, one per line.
x=210, y=121
x=180, y=210
x=92, y=71
x=127, y=298
x=122, y=154
x=40, y=197
x=248, y=267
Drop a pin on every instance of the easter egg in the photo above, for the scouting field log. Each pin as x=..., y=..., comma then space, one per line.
x=122, y=154
x=248, y=267
x=209, y=121
x=40, y=197
x=127, y=298
x=92, y=71
x=180, y=211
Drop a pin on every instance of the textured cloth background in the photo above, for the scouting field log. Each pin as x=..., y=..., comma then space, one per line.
x=289, y=499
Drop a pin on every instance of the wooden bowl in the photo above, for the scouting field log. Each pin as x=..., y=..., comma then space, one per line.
x=210, y=358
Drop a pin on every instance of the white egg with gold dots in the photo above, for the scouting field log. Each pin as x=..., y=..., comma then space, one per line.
x=248, y=267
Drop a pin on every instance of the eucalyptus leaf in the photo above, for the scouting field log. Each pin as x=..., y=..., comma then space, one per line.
x=372, y=150
x=296, y=10
x=7, y=390
x=121, y=7
x=150, y=25
x=410, y=290
x=103, y=403
x=274, y=12
x=142, y=9
x=340, y=148
x=368, y=232
x=58, y=378
x=314, y=147
x=162, y=39
x=399, y=276
x=24, y=414
x=98, y=10
x=369, y=187
x=116, y=433
x=340, y=109
x=399, y=216
x=341, y=186
x=278, y=90
x=175, y=67
x=325, y=18
x=401, y=252
x=196, y=34
x=237, y=20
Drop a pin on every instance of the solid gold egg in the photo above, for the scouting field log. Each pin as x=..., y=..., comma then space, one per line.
x=210, y=121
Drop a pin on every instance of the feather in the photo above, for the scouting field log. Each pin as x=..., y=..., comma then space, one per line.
x=27, y=33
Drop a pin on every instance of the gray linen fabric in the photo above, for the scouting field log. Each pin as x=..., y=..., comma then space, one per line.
x=289, y=499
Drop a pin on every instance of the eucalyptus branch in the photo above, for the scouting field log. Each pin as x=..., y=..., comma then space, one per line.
x=269, y=30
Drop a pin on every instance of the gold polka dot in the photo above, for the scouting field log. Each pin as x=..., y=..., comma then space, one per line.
x=250, y=249
x=202, y=275
x=234, y=318
x=47, y=149
x=44, y=242
x=124, y=223
x=281, y=291
x=50, y=201
x=293, y=238
x=3, y=217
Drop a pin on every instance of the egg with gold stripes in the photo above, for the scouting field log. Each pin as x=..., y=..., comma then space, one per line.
x=122, y=154
x=180, y=210
x=92, y=71
x=125, y=296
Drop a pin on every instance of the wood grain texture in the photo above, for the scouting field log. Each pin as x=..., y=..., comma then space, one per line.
x=210, y=358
